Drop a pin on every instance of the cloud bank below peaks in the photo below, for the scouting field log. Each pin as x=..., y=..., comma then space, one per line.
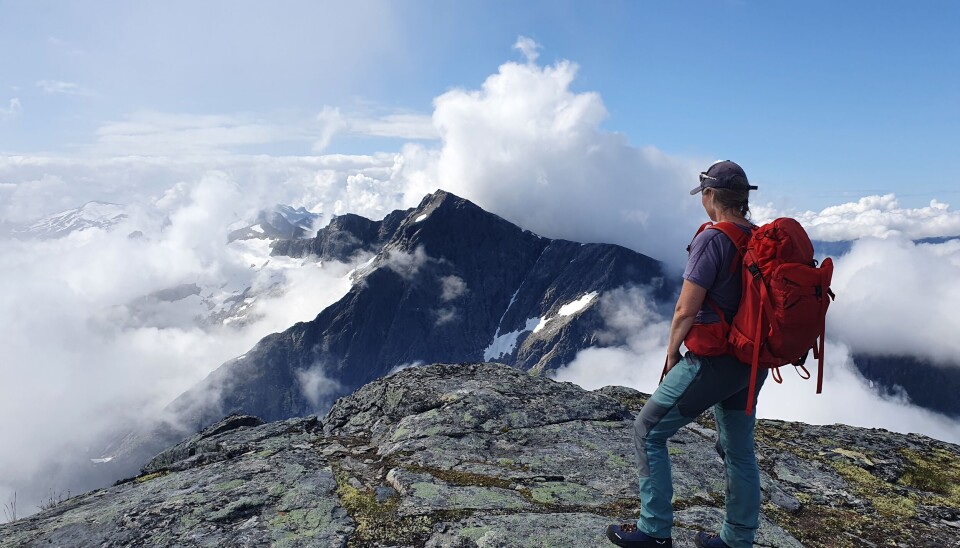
x=876, y=216
x=638, y=329
x=895, y=297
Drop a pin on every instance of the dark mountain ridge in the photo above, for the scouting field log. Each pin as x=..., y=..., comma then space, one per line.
x=449, y=282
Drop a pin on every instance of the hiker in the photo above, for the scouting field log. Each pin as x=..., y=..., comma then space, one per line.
x=696, y=381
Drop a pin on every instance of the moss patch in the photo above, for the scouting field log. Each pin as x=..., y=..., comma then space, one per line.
x=937, y=472
x=566, y=494
x=878, y=492
x=148, y=477
x=378, y=522
x=463, y=479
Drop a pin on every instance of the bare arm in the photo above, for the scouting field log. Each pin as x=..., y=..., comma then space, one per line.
x=688, y=304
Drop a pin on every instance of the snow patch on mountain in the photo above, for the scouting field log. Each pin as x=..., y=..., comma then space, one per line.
x=102, y=215
x=570, y=309
x=503, y=345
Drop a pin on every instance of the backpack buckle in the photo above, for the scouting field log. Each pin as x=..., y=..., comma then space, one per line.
x=754, y=270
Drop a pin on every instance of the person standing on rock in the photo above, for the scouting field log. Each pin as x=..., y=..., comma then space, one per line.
x=695, y=382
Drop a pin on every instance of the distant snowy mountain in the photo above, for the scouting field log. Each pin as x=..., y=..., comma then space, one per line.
x=102, y=215
x=225, y=301
x=280, y=222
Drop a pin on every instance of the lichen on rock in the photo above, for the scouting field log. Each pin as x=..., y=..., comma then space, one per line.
x=483, y=455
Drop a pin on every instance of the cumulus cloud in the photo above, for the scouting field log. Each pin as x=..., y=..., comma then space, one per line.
x=13, y=109
x=527, y=147
x=875, y=216
x=847, y=398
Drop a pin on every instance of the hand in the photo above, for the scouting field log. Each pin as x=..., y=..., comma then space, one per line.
x=673, y=359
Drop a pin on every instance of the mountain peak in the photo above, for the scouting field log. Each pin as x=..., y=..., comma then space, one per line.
x=441, y=200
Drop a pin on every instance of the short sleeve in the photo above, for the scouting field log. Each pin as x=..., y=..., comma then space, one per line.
x=705, y=260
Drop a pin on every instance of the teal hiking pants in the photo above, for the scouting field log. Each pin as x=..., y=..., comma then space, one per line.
x=691, y=387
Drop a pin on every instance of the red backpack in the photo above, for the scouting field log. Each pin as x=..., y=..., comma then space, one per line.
x=784, y=304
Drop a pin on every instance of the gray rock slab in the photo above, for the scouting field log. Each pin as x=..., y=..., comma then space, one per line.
x=279, y=492
x=524, y=530
x=705, y=518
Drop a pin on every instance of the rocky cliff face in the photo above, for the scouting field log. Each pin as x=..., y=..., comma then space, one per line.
x=484, y=455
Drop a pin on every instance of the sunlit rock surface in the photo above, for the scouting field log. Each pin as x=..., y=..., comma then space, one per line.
x=485, y=455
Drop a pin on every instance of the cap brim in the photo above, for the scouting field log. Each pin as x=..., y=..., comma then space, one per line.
x=696, y=190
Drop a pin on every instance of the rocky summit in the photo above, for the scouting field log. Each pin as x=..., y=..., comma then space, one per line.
x=485, y=455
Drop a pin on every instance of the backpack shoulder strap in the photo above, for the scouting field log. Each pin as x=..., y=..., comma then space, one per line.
x=703, y=227
x=735, y=233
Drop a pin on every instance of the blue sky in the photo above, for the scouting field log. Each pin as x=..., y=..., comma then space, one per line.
x=824, y=102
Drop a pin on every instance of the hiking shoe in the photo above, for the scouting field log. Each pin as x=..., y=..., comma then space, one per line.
x=705, y=540
x=627, y=534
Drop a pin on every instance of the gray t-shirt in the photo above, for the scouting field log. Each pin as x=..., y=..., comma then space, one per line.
x=709, y=266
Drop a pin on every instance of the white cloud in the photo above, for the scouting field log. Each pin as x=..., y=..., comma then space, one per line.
x=402, y=366
x=52, y=87
x=630, y=314
x=897, y=297
x=407, y=265
x=445, y=315
x=877, y=216
x=150, y=133
x=71, y=334
x=403, y=126
x=316, y=386
x=529, y=149
x=847, y=398
x=453, y=287
x=13, y=109
x=528, y=47
x=369, y=185
x=331, y=123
